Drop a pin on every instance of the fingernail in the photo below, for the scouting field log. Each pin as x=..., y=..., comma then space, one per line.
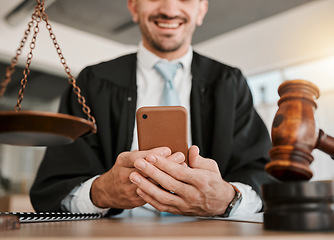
x=165, y=152
x=151, y=159
x=179, y=157
x=140, y=193
x=140, y=164
x=135, y=179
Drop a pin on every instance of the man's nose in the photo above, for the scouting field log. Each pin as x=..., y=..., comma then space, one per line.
x=170, y=8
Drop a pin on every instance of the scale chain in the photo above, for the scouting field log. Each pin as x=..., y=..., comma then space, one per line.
x=26, y=71
x=11, y=69
x=37, y=16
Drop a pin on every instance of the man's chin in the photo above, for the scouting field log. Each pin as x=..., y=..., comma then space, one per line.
x=167, y=47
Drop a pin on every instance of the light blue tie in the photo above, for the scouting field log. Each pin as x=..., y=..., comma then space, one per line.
x=169, y=95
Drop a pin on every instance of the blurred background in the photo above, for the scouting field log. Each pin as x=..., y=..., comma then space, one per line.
x=269, y=40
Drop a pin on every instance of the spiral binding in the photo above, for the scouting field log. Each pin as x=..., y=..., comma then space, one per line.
x=27, y=217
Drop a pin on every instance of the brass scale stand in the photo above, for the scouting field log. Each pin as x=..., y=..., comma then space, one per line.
x=34, y=128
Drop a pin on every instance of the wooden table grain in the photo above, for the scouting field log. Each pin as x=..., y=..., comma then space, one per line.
x=154, y=228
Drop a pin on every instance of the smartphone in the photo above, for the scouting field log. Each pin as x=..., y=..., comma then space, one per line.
x=163, y=126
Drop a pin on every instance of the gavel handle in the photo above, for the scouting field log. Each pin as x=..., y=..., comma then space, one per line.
x=325, y=143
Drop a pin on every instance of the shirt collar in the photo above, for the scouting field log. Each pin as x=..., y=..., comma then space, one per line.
x=147, y=59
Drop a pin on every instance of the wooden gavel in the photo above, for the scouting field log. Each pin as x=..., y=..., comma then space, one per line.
x=295, y=132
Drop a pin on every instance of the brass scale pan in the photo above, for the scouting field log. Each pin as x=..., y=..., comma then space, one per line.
x=36, y=128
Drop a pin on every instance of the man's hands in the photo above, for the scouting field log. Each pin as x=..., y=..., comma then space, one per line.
x=165, y=181
x=114, y=189
x=195, y=190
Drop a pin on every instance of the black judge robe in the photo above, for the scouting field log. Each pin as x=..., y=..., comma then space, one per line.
x=225, y=126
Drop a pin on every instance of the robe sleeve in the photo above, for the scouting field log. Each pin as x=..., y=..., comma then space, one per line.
x=250, y=140
x=65, y=167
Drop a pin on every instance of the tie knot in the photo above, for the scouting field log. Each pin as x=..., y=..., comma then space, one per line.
x=167, y=69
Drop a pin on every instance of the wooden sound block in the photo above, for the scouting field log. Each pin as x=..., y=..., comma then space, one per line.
x=9, y=222
x=299, y=206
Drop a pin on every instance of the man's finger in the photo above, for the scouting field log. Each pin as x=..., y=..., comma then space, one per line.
x=198, y=162
x=126, y=159
x=156, y=204
x=152, y=191
x=177, y=157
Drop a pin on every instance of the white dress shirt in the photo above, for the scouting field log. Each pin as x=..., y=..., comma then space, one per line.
x=149, y=87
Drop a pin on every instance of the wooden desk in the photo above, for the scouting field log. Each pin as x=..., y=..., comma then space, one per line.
x=154, y=228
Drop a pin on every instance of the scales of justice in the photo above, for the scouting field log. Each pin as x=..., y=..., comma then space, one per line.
x=292, y=204
x=35, y=128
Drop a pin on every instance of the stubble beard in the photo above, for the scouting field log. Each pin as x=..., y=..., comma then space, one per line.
x=165, y=47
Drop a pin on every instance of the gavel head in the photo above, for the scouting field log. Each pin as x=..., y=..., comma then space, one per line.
x=294, y=131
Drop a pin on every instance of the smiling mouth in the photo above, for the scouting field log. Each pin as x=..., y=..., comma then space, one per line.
x=165, y=22
x=167, y=25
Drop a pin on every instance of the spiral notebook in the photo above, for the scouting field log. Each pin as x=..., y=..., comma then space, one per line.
x=26, y=217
